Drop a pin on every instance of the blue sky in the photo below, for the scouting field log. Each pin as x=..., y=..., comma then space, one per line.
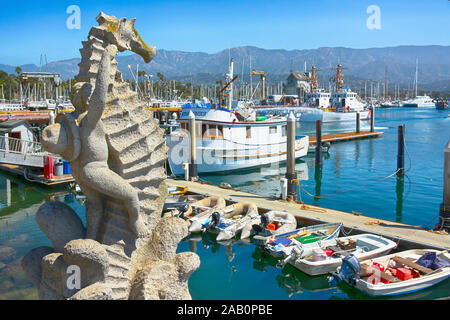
x=32, y=28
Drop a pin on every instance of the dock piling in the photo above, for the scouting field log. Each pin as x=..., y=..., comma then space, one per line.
x=444, y=214
x=291, y=175
x=358, y=121
x=372, y=119
x=318, y=142
x=401, y=151
x=193, y=175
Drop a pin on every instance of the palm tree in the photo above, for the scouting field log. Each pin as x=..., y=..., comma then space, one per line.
x=161, y=76
x=18, y=70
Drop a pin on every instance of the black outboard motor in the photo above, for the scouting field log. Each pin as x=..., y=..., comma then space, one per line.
x=258, y=228
x=213, y=221
x=264, y=220
x=215, y=218
x=183, y=209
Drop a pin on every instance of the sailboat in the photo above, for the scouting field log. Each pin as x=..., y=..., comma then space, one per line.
x=419, y=101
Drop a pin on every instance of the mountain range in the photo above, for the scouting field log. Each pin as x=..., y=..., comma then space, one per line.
x=359, y=64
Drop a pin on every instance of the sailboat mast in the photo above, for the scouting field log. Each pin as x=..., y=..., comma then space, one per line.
x=230, y=78
x=417, y=69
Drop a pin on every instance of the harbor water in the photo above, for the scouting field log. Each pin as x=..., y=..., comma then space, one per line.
x=355, y=176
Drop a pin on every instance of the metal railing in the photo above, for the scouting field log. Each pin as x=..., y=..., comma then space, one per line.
x=19, y=146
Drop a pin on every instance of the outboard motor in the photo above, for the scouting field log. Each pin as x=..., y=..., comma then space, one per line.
x=264, y=220
x=350, y=271
x=183, y=209
x=258, y=228
x=212, y=222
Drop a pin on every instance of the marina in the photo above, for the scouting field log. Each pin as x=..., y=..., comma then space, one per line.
x=400, y=220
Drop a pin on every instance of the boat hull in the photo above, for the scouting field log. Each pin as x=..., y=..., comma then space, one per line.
x=212, y=159
x=381, y=246
x=312, y=115
x=403, y=287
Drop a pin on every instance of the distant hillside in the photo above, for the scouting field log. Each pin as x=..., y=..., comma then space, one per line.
x=362, y=64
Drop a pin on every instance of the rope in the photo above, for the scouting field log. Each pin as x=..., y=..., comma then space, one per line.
x=409, y=157
x=327, y=196
x=346, y=233
x=26, y=178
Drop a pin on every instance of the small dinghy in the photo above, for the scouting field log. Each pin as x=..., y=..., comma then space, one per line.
x=394, y=274
x=325, y=256
x=198, y=210
x=269, y=224
x=276, y=244
x=229, y=221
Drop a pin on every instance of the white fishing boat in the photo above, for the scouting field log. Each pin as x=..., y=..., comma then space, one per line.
x=269, y=224
x=419, y=102
x=230, y=140
x=395, y=274
x=325, y=256
x=229, y=221
x=277, y=244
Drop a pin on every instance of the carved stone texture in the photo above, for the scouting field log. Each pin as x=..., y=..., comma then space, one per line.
x=117, y=153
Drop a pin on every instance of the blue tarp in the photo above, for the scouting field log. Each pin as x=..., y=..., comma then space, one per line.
x=430, y=260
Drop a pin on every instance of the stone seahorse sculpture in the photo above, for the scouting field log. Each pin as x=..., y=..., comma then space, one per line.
x=117, y=152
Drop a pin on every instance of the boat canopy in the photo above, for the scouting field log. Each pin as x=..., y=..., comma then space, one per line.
x=202, y=105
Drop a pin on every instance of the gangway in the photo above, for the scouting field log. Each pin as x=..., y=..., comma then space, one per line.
x=21, y=152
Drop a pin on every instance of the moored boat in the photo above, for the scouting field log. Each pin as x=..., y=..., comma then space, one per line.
x=270, y=223
x=325, y=256
x=399, y=273
x=276, y=245
x=199, y=209
x=229, y=221
x=229, y=140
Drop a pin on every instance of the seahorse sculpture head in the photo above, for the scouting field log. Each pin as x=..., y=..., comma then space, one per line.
x=122, y=33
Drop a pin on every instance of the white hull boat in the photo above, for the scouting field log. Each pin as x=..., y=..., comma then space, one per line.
x=277, y=244
x=269, y=224
x=419, y=102
x=424, y=277
x=313, y=260
x=314, y=114
x=225, y=143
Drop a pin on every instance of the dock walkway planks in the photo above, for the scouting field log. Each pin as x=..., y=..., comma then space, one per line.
x=390, y=229
x=337, y=137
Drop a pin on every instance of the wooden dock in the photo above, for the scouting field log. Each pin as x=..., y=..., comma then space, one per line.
x=36, y=178
x=344, y=136
x=411, y=236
